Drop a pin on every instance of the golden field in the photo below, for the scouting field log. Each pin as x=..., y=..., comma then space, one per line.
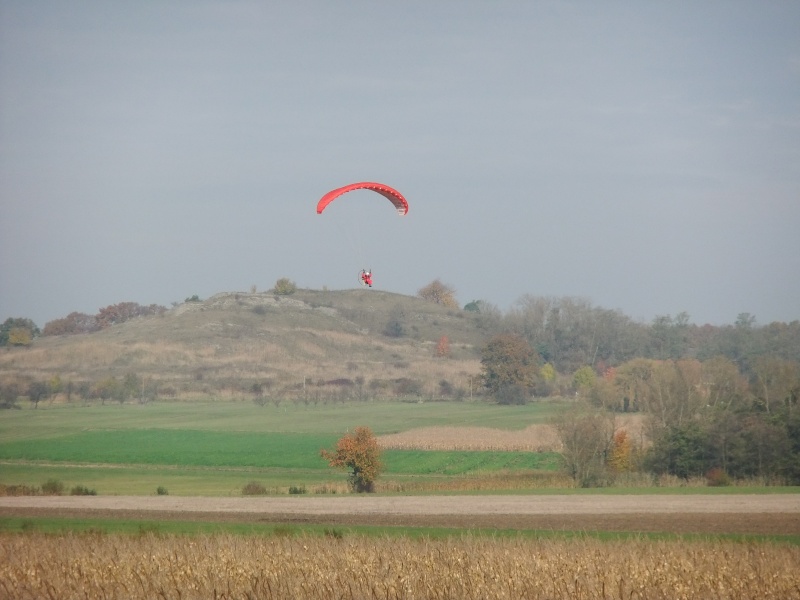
x=34, y=565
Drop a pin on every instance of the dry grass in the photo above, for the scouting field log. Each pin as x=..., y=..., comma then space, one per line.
x=534, y=438
x=485, y=482
x=337, y=566
x=206, y=348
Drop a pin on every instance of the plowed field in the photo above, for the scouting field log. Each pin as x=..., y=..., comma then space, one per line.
x=736, y=513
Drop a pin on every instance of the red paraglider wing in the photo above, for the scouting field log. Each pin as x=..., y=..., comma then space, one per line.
x=392, y=194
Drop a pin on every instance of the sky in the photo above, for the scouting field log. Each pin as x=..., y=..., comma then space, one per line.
x=643, y=156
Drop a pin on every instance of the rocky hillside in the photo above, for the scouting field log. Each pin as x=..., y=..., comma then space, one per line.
x=311, y=344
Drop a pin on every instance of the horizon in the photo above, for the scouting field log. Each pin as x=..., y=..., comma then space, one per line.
x=642, y=156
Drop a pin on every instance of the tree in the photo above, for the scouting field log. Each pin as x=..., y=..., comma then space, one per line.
x=547, y=373
x=125, y=311
x=19, y=336
x=257, y=389
x=359, y=452
x=132, y=387
x=17, y=332
x=285, y=287
x=9, y=392
x=775, y=379
x=395, y=326
x=54, y=386
x=619, y=460
x=73, y=323
x=107, y=389
x=37, y=391
x=586, y=440
x=443, y=347
x=584, y=378
x=439, y=293
x=508, y=361
x=681, y=450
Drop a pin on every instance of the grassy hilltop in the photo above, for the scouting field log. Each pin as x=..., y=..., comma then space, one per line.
x=323, y=343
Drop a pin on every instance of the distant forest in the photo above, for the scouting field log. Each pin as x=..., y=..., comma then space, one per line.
x=570, y=333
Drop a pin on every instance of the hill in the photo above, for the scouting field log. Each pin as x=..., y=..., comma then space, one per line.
x=314, y=344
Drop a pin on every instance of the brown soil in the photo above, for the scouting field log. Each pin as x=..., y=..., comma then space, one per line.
x=704, y=514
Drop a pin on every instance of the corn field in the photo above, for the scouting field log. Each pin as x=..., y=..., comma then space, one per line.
x=95, y=565
x=534, y=438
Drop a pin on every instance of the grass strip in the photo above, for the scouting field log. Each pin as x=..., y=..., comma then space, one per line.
x=67, y=525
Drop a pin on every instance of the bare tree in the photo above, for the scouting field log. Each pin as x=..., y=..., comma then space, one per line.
x=587, y=437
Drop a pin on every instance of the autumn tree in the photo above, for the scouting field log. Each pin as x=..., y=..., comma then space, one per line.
x=17, y=332
x=73, y=323
x=125, y=311
x=439, y=293
x=584, y=378
x=359, y=452
x=443, y=347
x=285, y=287
x=620, y=457
x=510, y=366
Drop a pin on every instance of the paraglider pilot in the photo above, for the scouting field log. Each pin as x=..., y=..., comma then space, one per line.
x=366, y=277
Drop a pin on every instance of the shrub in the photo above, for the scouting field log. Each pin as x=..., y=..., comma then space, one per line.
x=285, y=287
x=18, y=490
x=717, y=477
x=294, y=489
x=254, y=489
x=52, y=487
x=405, y=386
x=82, y=490
x=162, y=491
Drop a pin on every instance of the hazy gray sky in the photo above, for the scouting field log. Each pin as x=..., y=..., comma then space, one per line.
x=642, y=155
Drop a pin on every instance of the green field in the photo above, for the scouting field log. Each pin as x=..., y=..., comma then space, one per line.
x=215, y=448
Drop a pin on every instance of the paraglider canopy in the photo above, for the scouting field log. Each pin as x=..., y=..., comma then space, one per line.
x=391, y=194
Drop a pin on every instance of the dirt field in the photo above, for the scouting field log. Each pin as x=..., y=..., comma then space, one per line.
x=753, y=514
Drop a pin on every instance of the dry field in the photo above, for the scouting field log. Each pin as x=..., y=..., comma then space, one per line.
x=224, y=566
x=346, y=565
x=534, y=438
x=694, y=513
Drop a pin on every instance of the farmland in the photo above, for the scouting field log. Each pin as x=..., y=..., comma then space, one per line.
x=351, y=566
x=215, y=448
x=501, y=535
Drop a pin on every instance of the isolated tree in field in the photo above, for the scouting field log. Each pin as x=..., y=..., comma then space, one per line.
x=359, y=452
x=439, y=293
x=285, y=287
x=508, y=362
